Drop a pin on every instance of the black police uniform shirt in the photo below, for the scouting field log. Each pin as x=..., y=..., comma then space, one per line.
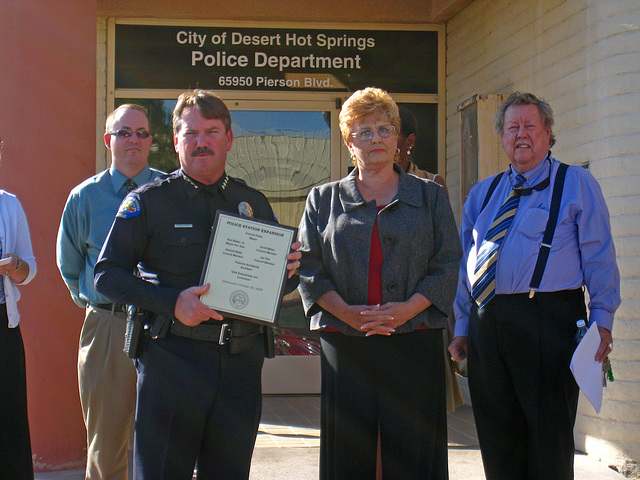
x=164, y=228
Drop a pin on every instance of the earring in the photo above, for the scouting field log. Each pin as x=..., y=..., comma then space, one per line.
x=409, y=152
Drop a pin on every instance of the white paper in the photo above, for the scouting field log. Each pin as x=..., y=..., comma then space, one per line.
x=585, y=369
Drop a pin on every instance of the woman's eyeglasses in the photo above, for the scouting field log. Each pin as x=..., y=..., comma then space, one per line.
x=366, y=134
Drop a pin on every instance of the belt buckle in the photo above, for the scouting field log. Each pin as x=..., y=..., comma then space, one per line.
x=225, y=330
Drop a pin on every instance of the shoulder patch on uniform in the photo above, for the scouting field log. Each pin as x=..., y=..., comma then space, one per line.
x=130, y=207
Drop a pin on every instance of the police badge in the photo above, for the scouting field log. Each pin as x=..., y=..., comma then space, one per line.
x=245, y=210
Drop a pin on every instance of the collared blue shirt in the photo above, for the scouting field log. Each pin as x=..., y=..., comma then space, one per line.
x=86, y=221
x=582, y=251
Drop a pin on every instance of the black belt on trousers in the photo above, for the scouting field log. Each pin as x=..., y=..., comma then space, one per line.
x=574, y=294
x=211, y=333
x=112, y=307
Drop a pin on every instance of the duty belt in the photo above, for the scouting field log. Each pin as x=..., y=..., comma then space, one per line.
x=211, y=333
x=113, y=307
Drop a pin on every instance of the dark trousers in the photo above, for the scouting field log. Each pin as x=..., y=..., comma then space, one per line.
x=15, y=443
x=197, y=404
x=523, y=394
x=393, y=384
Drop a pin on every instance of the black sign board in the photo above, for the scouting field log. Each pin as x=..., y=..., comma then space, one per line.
x=280, y=59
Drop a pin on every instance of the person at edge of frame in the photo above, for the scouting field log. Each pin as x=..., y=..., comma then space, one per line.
x=18, y=268
x=518, y=333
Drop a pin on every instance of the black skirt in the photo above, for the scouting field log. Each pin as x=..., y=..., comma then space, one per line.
x=15, y=442
x=391, y=385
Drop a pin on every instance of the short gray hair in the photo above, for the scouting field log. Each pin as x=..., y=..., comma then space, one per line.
x=517, y=98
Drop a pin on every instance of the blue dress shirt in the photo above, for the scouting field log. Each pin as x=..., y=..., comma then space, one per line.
x=86, y=221
x=582, y=251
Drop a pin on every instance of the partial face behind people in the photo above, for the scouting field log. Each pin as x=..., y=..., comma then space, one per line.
x=378, y=150
x=129, y=154
x=202, y=145
x=405, y=145
x=525, y=138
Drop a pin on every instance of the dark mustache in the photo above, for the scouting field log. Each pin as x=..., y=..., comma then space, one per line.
x=201, y=150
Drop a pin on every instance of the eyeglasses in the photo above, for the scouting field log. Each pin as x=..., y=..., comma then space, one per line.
x=366, y=134
x=124, y=133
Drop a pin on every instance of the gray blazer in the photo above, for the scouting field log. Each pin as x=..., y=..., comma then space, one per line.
x=419, y=240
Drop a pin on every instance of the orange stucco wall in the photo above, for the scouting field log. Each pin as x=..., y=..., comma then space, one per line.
x=47, y=121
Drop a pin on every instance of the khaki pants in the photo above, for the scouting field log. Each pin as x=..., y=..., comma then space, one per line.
x=107, y=381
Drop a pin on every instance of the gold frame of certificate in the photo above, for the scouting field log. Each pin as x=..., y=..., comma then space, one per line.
x=246, y=267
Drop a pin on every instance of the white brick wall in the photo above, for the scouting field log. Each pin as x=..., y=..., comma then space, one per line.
x=583, y=57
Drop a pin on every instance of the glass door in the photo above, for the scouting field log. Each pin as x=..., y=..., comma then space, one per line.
x=283, y=154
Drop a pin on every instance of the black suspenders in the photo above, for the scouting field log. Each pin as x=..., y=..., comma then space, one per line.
x=492, y=187
x=545, y=246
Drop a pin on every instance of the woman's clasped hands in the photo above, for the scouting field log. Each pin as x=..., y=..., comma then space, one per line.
x=384, y=319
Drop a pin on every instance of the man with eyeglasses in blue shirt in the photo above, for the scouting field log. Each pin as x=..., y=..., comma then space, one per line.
x=106, y=376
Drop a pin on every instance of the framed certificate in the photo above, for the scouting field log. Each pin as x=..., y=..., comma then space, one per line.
x=246, y=267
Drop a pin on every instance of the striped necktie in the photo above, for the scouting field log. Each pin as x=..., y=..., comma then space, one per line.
x=483, y=286
x=130, y=184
